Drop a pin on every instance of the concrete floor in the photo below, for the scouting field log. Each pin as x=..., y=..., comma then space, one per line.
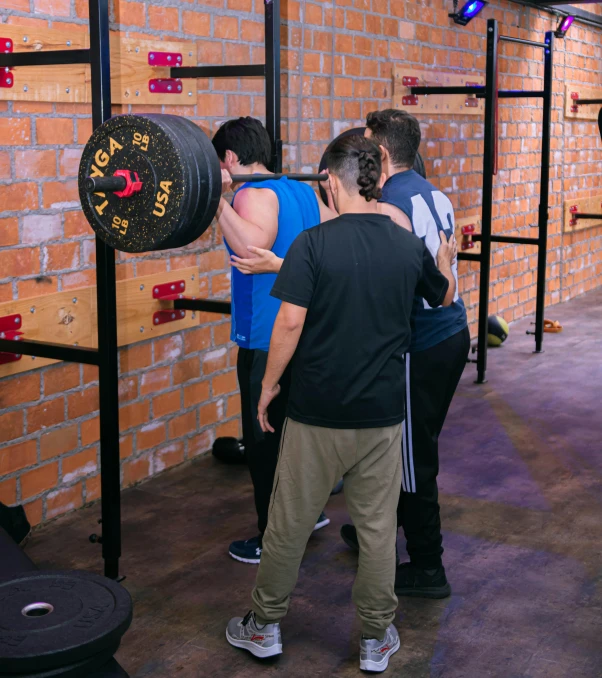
x=521, y=493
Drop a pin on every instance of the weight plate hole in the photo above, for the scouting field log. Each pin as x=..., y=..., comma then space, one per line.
x=37, y=610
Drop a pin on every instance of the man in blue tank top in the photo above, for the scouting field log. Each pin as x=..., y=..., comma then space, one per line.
x=269, y=215
x=434, y=364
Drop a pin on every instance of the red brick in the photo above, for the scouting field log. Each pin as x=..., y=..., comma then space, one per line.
x=30, y=164
x=194, y=394
x=4, y=165
x=134, y=414
x=41, y=228
x=34, y=511
x=37, y=287
x=150, y=435
x=185, y=370
x=36, y=481
x=90, y=431
x=215, y=360
x=135, y=357
x=47, y=413
x=76, y=224
x=233, y=407
x=15, y=131
x=82, y=402
x=168, y=456
x=228, y=429
x=50, y=131
x=64, y=500
x=8, y=491
x=18, y=390
x=79, y=465
x=225, y=383
x=18, y=197
x=211, y=413
x=163, y=18
x=197, y=340
x=78, y=279
x=53, y=443
x=169, y=348
x=59, y=193
x=18, y=456
x=136, y=470
x=61, y=378
x=154, y=380
x=92, y=488
x=166, y=403
x=201, y=442
x=225, y=27
x=52, y=7
x=196, y=23
x=221, y=334
x=69, y=161
x=84, y=127
x=129, y=13
x=180, y=426
x=90, y=374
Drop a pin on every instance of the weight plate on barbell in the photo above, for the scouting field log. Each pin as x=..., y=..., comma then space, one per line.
x=53, y=619
x=143, y=144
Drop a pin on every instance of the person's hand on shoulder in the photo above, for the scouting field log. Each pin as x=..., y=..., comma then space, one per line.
x=264, y=261
x=448, y=250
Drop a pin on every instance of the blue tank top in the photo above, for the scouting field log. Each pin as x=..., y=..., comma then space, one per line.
x=253, y=309
x=430, y=211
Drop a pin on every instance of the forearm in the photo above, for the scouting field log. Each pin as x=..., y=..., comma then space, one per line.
x=446, y=270
x=282, y=348
x=238, y=232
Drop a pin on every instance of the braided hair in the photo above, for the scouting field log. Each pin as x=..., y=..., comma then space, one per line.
x=356, y=161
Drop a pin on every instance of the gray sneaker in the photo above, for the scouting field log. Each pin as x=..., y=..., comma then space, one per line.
x=262, y=641
x=374, y=654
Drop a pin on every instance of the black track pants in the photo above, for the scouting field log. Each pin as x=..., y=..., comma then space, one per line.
x=432, y=377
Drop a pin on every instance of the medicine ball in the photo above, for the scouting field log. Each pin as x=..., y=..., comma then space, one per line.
x=418, y=162
x=497, y=330
x=229, y=450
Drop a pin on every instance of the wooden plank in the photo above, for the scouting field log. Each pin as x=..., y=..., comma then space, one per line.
x=47, y=83
x=586, y=205
x=587, y=111
x=70, y=317
x=467, y=239
x=130, y=71
x=433, y=104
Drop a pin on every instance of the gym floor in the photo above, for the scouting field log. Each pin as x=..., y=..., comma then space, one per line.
x=521, y=494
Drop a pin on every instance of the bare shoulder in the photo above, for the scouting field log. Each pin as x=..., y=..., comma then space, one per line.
x=399, y=217
x=255, y=199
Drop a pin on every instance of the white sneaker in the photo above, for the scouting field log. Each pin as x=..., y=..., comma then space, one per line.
x=374, y=654
x=262, y=641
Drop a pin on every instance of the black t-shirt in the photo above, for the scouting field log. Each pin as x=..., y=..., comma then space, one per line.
x=357, y=276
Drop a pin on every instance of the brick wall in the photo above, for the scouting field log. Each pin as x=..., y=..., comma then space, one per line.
x=178, y=393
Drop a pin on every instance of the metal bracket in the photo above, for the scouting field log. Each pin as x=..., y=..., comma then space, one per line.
x=9, y=326
x=165, y=86
x=164, y=59
x=410, y=81
x=169, y=292
x=411, y=100
x=7, y=79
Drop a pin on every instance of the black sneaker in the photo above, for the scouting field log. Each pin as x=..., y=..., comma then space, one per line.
x=417, y=583
x=14, y=521
x=246, y=551
x=349, y=536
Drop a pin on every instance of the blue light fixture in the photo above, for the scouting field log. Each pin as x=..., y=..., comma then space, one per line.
x=468, y=12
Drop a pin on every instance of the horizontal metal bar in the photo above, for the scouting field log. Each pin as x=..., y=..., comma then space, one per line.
x=208, y=305
x=448, y=90
x=587, y=101
x=466, y=256
x=585, y=215
x=44, y=349
x=240, y=178
x=513, y=240
x=241, y=71
x=57, y=57
x=520, y=41
x=113, y=184
x=520, y=94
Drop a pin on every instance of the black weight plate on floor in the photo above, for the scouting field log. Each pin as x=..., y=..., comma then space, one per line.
x=120, y=143
x=87, y=614
x=81, y=669
x=322, y=167
x=178, y=130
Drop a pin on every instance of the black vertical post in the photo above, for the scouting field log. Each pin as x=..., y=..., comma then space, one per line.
x=272, y=80
x=108, y=372
x=488, y=168
x=544, y=191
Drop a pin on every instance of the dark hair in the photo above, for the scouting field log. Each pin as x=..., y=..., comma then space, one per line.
x=247, y=137
x=356, y=161
x=398, y=132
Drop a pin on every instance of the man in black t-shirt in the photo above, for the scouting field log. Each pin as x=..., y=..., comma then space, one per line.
x=347, y=288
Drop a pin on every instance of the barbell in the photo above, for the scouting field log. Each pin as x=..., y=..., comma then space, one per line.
x=154, y=182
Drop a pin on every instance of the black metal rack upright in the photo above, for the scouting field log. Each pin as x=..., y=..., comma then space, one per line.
x=105, y=356
x=491, y=94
